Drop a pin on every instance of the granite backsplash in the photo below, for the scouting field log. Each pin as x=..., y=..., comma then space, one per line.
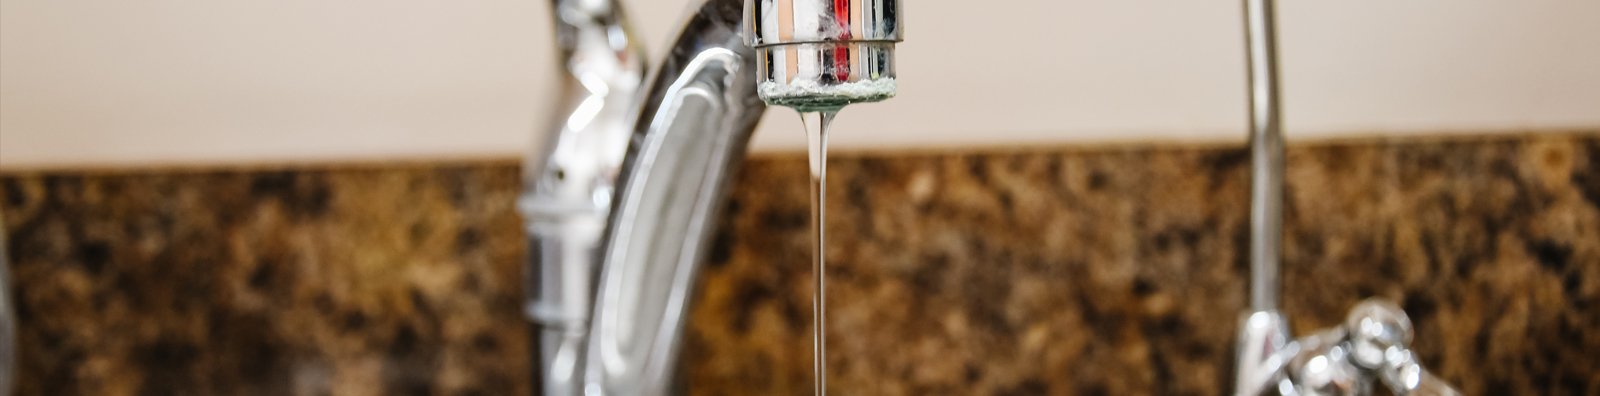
x=1105, y=270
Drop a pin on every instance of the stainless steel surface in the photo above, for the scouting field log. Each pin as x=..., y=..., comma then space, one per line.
x=1380, y=338
x=1376, y=327
x=814, y=55
x=1266, y=155
x=690, y=135
x=1264, y=332
x=1322, y=367
x=568, y=185
x=619, y=334
x=1372, y=346
x=1263, y=351
x=651, y=172
x=780, y=22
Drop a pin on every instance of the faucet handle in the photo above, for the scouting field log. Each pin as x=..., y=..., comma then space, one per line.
x=1405, y=376
x=1372, y=346
x=1380, y=335
x=1374, y=327
x=1323, y=366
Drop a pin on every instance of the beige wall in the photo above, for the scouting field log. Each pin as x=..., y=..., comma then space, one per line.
x=110, y=83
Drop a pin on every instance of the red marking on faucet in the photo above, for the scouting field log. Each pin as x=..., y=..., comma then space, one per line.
x=841, y=55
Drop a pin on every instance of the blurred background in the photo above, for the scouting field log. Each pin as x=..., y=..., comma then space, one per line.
x=318, y=197
x=168, y=81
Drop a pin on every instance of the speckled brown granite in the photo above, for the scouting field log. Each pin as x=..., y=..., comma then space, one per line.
x=354, y=281
x=1112, y=270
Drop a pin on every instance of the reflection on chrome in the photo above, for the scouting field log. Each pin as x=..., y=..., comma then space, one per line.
x=621, y=205
x=1373, y=345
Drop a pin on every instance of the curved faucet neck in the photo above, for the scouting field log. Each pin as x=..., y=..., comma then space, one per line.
x=690, y=134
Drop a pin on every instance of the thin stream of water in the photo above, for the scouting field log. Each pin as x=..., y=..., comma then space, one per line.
x=816, y=125
x=818, y=105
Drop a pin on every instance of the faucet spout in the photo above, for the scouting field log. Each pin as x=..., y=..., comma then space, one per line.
x=689, y=137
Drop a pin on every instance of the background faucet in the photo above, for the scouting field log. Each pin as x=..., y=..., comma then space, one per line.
x=1373, y=345
x=644, y=206
x=568, y=185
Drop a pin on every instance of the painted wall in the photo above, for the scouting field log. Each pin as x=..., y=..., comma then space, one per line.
x=103, y=83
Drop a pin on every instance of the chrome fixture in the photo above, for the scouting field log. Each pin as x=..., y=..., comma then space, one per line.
x=823, y=54
x=1372, y=346
x=621, y=208
x=568, y=186
x=1374, y=343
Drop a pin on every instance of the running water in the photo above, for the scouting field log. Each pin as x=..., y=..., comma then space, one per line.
x=816, y=124
x=818, y=105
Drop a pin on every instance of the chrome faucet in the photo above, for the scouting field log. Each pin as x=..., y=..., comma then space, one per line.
x=621, y=206
x=568, y=186
x=1373, y=345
